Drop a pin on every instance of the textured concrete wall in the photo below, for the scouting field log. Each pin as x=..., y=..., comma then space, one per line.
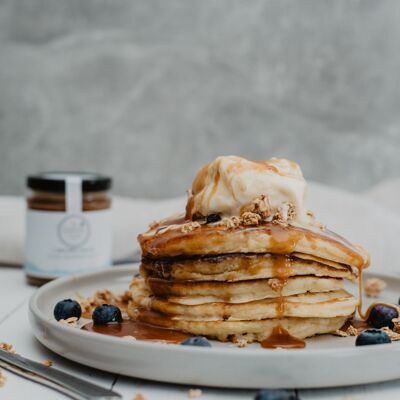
x=148, y=90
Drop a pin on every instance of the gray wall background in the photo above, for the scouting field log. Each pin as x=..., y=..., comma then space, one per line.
x=149, y=90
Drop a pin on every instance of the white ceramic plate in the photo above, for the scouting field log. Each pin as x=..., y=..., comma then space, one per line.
x=326, y=361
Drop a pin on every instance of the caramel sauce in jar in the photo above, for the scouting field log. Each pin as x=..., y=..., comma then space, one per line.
x=68, y=225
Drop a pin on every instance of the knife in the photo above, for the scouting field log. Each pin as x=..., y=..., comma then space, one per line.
x=65, y=383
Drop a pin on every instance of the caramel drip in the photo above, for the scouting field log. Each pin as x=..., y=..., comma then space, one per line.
x=214, y=188
x=365, y=316
x=280, y=271
x=281, y=338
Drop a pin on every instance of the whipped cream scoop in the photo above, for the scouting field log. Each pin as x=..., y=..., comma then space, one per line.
x=229, y=184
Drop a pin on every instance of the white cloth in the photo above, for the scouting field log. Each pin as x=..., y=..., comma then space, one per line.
x=355, y=216
x=130, y=217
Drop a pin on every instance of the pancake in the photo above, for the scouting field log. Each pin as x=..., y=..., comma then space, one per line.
x=322, y=305
x=256, y=330
x=245, y=290
x=238, y=267
x=177, y=238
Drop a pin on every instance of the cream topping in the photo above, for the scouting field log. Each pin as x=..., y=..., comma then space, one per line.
x=229, y=185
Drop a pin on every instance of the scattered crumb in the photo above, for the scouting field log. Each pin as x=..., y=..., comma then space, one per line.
x=232, y=222
x=396, y=322
x=250, y=218
x=189, y=227
x=7, y=347
x=394, y=336
x=71, y=321
x=240, y=341
x=138, y=396
x=193, y=393
x=3, y=378
x=374, y=286
x=129, y=337
x=48, y=363
x=276, y=284
x=260, y=205
x=341, y=333
x=154, y=225
x=350, y=331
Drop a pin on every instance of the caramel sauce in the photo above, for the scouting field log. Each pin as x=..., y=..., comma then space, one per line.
x=282, y=240
x=281, y=338
x=139, y=330
x=281, y=272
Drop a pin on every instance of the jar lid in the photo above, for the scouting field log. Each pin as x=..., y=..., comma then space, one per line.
x=55, y=181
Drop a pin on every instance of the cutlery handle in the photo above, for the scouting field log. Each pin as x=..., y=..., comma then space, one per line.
x=80, y=387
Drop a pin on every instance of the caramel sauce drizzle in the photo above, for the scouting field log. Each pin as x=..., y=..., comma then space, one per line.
x=139, y=330
x=281, y=338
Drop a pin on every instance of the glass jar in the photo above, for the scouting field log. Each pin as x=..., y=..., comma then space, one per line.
x=68, y=225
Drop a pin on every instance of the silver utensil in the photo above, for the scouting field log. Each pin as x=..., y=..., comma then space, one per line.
x=67, y=384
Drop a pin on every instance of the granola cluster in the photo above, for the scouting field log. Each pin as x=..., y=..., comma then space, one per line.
x=7, y=347
x=103, y=296
x=190, y=226
x=350, y=331
x=259, y=211
x=374, y=286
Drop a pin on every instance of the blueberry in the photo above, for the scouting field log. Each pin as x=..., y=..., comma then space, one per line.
x=66, y=309
x=372, y=336
x=196, y=341
x=275, y=394
x=105, y=314
x=213, y=218
x=381, y=315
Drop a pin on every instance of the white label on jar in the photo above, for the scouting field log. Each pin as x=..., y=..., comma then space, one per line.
x=59, y=243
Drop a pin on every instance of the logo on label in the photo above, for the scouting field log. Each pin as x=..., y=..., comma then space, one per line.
x=74, y=231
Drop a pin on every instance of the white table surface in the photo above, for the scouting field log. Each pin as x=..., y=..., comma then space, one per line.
x=15, y=329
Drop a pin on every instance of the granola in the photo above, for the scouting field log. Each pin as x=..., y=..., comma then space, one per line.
x=189, y=227
x=240, y=341
x=394, y=336
x=232, y=222
x=374, y=286
x=48, y=363
x=250, y=218
x=7, y=347
x=3, y=378
x=396, y=323
x=194, y=393
x=71, y=321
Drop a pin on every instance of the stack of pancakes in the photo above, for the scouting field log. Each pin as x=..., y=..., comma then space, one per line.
x=242, y=276
x=231, y=283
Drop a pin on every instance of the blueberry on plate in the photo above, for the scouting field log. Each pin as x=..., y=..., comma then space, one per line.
x=372, y=336
x=105, y=314
x=67, y=308
x=381, y=315
x=213, y=218
x=275, y=394
x=196, y=341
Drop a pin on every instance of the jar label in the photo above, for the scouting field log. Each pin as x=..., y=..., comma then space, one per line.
x=59, y=243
